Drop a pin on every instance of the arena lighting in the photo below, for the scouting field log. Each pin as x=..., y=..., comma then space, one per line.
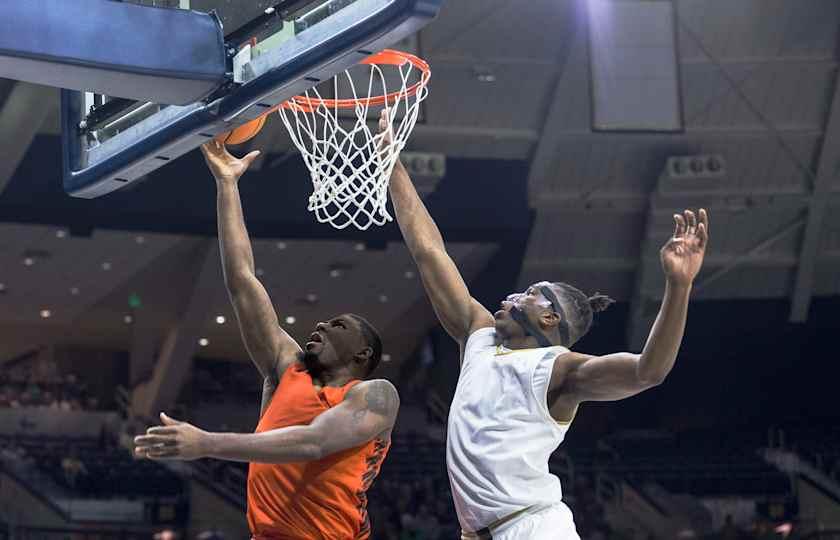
x=128, y=319
x=74, y=291
x=140, y=239
x=28, y=261
x=633, y=65
x=383, y=298
x=359, y=246
x=46, y=314
x=204, y=342
x=106, y=266
x=281, y=245
x=220, y=319
x=61, y=233
x=386, y=357
x=290, y=320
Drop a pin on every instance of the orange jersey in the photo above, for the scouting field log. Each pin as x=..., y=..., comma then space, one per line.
x=322, y=499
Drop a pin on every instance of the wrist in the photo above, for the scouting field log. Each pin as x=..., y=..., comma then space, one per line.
x=209, y=444
x=677, y=285
x=227, y=182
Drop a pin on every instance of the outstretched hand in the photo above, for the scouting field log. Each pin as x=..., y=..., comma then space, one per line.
x=224, y=166
x=173, y=440
x=682, y=255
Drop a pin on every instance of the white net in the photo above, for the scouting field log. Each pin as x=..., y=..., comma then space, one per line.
x=349, y=160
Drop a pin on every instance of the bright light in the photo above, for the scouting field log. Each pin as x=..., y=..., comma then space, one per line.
x=335, y=272
x=60, y=233
x=409, y=274
x=128, y=319
x=29, y=261
x=140, y=239
x=46, y=314
x=74, y=291
x=204, y=342
x=383, y=298
x=2, y=287
x=312, y=298
x=290, y=320
x=359, y=247
x=220, y=319
x=106, y=266
x=281, y=245
x=386, y=357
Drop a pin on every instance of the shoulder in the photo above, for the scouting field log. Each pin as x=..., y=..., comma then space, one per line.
x=565, y=365
x=378, y=395
x=480, y=317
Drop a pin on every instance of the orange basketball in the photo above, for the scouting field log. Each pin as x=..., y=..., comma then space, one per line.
x=243, y=133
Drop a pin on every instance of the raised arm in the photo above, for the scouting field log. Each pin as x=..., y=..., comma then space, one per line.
x=458, y=312
x=270, y=347
x=367, y=412
x=579, y=377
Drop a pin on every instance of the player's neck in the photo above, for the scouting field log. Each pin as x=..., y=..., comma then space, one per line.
x=519, y=342
x=325, y=377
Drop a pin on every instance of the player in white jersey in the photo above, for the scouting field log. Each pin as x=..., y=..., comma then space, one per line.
x=520, y=385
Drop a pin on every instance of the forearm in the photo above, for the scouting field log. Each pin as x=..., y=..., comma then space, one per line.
x=287, y=445
x=663, y=344
x=235, y=246
x=417, y=226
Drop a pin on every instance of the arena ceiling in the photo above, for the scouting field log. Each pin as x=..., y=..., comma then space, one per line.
x=759, y=86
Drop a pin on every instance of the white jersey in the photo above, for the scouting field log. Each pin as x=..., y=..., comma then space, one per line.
x=500, y=432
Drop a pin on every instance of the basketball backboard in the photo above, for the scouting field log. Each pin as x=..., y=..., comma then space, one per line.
x=277, y=49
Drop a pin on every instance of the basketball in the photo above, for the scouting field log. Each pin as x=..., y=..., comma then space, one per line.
x=243, y=133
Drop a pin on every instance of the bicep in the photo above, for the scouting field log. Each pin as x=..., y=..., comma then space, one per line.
x=267, y=343
x=605, y=378
x=458, y=312
x=368, y=411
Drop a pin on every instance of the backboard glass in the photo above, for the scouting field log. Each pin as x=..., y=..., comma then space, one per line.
x=294, y=44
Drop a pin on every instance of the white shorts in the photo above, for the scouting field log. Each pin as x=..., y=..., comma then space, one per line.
x=553, y=522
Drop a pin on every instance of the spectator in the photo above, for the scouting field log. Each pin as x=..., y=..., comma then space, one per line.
x=73, y=468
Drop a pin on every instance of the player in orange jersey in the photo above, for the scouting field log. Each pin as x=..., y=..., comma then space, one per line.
x=323, y=430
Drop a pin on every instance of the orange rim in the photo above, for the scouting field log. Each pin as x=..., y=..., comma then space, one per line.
x=387, y=57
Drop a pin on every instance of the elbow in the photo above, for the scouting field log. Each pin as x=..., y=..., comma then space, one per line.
x=425, y=252
x=237, y=280
x=312, y=452
x=651, y=380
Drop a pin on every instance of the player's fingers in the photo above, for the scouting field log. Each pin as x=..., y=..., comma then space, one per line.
x=150, y=440
x=247, y=160
x=161, y=430
x=702, y=235
x=691, y=222
x=704, y=219
x=680, y=230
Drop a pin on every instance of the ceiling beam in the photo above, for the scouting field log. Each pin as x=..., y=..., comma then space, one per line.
x=21, y=117
x=174, y=361
x=827, y=168
x=574, y=53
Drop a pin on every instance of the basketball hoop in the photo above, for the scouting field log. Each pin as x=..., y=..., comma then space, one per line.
x=350, y=165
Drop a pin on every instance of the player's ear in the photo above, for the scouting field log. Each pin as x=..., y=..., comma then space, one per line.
x=363, y=357
x=549, y=319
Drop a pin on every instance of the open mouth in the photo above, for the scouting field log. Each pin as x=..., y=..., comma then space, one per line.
x=314, y=339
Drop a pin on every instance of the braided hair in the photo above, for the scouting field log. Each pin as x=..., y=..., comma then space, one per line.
x=581, y=308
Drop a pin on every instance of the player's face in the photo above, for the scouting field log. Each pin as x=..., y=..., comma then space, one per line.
x=336, y=342
x=531, y=302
